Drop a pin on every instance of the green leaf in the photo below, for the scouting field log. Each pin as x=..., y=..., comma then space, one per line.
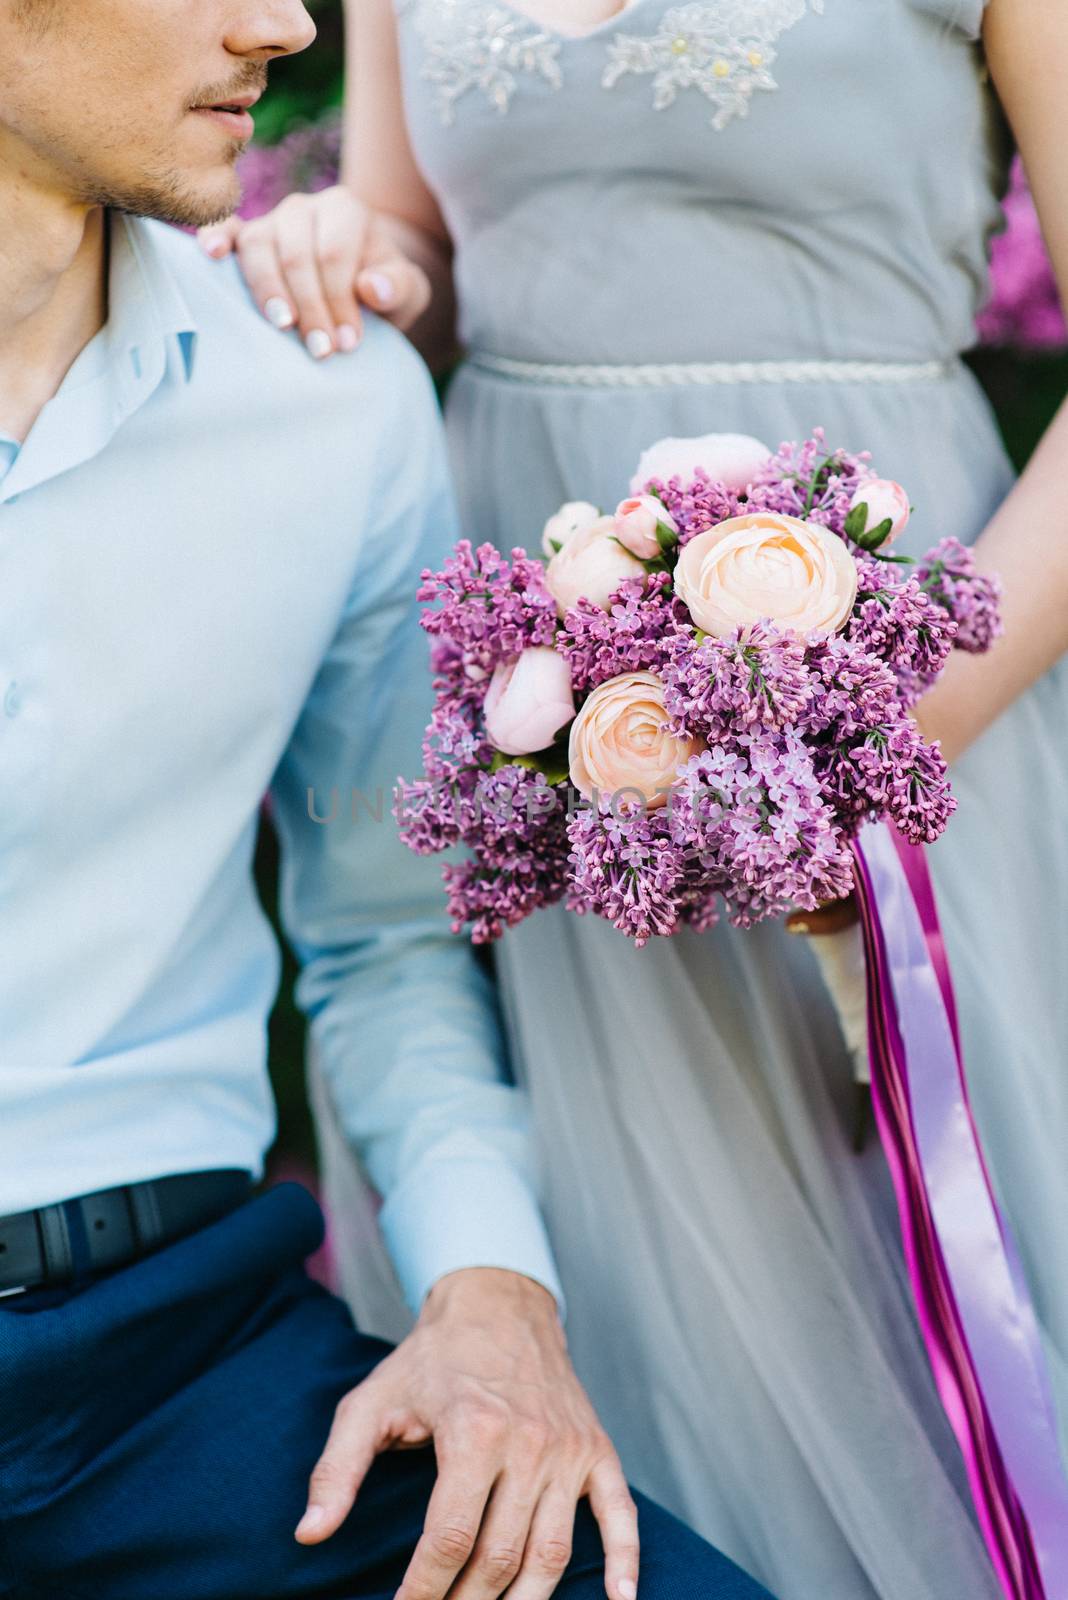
x=857, y=521
x=667, y=538
x=877, y=535
x=557, y=545
x=551, y=763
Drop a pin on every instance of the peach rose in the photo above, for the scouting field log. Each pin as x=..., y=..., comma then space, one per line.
x=592, y=565
x=886, y=502
x=528, y=701
x=619, y=740
x=794, y=574
x=569, y=520
x=733, y=459
x=637, y=520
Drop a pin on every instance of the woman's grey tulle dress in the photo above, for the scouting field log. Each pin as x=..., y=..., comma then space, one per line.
x=737, y=1301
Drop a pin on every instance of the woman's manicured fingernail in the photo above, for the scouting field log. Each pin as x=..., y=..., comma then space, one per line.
x=381, y=287
x=278, y=313
x=312, y=1520
x=628, y=1589
x=214, y=244
x=347, y=337
x=318, y=343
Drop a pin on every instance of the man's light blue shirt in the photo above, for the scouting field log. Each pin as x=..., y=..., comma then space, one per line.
x=209, y=548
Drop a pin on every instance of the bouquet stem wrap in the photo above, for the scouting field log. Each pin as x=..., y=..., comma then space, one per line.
x=976, y=1315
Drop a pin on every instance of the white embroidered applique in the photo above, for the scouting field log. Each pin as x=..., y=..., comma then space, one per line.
x=482, y=47
x=724, y=48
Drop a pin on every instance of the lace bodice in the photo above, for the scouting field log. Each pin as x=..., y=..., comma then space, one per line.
x=719, y=179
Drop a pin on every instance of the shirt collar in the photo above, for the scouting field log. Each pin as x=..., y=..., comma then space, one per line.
x=9, y=449
x=149, y=335
x=146, y=307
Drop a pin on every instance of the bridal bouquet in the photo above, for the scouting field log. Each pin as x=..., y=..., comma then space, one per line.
x=693, y=704
x=699, y=705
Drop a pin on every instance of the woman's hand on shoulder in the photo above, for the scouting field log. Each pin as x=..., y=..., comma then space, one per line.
x=313, y=261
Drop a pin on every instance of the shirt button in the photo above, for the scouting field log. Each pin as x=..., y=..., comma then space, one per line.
x=12, y=700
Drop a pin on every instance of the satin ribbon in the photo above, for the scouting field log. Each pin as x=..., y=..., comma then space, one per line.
x=975, y=1312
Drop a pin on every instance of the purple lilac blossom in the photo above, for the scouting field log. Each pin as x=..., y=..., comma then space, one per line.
x=811, y=482
x=717, y=687
x=755, y=817
x=973, y=600
x=487, y=894
x=489, y=608
x=698, y=505
x=896, y=620
x=628, y=869
x=636, y=633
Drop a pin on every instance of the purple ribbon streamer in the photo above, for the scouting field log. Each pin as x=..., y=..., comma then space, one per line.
x=977, y=1316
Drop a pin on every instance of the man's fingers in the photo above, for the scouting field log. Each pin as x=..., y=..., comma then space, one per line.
x=467, y=1469
x=341, y=225
x=396, y=288
x=501, y=1546
x=548, y=1548
x=220, y=238
x=617, y=1518
x=355, y=1439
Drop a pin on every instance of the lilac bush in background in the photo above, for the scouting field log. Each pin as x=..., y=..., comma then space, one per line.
x=307, y=159
x=1024, y=311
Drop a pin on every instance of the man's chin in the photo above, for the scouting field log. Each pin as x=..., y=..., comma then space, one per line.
x=186, y=200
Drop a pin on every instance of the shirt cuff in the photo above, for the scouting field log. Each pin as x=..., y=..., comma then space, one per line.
x=466, y=1214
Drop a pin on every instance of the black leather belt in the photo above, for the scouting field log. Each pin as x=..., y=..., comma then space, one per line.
x=108, y=1229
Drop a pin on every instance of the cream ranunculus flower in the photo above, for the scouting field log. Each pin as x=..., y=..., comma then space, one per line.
x=565, y=523
x=733, y=459
x=620, y=741
x=591, y=566
x=796, y=575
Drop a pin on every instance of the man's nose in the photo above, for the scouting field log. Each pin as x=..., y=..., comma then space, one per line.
x=270, y=28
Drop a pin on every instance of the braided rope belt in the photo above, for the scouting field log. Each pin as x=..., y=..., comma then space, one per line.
x=678, y=374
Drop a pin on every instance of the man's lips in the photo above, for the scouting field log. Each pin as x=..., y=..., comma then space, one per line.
x=232, y=113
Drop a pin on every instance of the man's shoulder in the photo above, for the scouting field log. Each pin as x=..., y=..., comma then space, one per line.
x=234, y=336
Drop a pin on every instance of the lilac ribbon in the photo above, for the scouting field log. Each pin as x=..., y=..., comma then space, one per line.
x=975, y=1312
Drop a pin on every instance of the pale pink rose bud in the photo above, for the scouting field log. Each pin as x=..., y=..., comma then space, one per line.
x=733, y=459
x=620, y=740
x=886, y=502
x=528, y=701
x=764, y=567
x=636, y=525
x=591, y=566
x=569, y=520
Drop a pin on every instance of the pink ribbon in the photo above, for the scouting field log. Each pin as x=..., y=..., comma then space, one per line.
x=975, y=1312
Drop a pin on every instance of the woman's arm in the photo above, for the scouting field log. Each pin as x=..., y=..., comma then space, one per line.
x=378, y=167
x=1026, y=542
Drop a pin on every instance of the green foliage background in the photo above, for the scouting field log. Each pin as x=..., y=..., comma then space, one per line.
x=1025, y=390
x=304, y=86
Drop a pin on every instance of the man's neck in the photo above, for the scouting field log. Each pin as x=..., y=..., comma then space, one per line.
x=53, y=294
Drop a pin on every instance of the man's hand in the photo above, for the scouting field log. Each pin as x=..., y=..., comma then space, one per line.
x=485, y=1375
